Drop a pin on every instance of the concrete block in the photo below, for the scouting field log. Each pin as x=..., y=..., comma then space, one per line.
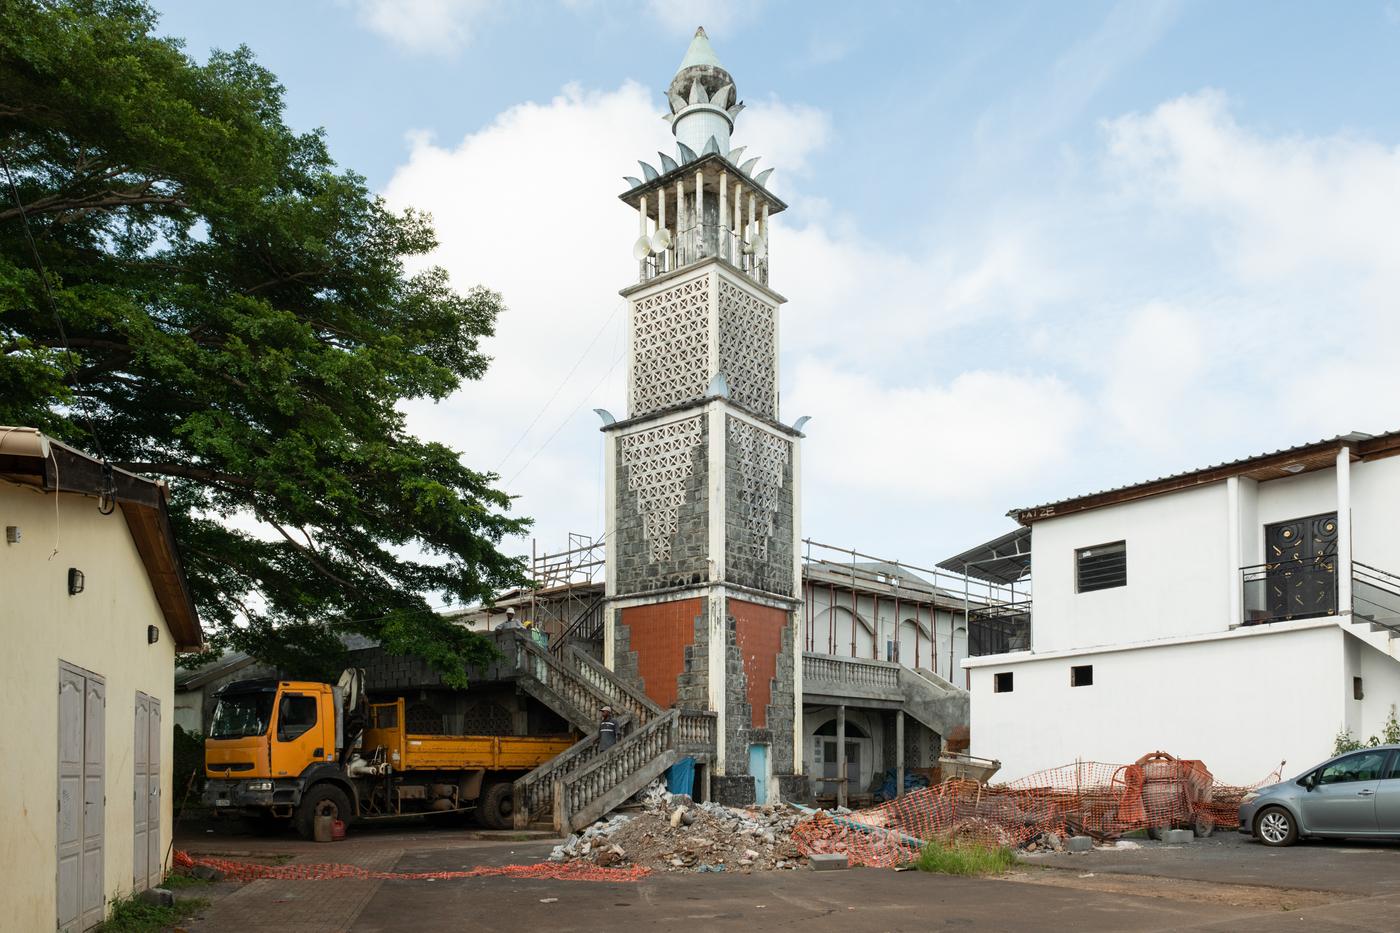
x=1080, y=844
x=1177, y=836
x=160, y=897
x=827, y=862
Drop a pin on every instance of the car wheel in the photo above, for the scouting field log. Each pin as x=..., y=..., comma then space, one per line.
x=1275, y=827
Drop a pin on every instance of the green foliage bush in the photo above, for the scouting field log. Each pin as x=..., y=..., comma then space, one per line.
x=1390, y=735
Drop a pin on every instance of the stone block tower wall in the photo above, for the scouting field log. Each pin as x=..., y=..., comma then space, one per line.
x=703, y=478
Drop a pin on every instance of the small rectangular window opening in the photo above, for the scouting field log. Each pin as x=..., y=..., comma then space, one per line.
x=1002, y=682
x=1101, y=567
x=1081, y=675
x=1356, y=692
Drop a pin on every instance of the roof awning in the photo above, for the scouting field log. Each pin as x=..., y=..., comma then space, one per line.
x=1003, y=560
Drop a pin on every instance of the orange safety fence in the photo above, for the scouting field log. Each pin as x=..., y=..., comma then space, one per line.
x=1086, y=798
x=553, y=871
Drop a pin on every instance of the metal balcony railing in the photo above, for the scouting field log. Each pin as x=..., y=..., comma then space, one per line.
x=999, y=628
x=749, y=254
x=1289, y=589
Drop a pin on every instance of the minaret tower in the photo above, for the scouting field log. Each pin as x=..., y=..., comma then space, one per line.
x=703, y=563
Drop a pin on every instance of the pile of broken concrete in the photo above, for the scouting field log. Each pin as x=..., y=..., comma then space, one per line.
x=673, y=833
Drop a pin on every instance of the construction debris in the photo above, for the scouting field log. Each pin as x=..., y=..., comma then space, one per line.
x=673, y=833
x=1088, y=800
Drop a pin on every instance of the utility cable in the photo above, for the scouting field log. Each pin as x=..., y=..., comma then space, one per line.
x=559, y=388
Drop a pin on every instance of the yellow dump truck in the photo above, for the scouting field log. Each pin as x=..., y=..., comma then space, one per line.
x=292, y=750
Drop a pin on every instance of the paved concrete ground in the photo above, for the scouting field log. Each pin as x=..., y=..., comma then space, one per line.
x=1155, y=887
x=1351, y=867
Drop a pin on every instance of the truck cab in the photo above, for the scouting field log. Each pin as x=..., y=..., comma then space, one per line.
x=267, y=741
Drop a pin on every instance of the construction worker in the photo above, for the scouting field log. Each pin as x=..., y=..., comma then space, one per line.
x=607, y=729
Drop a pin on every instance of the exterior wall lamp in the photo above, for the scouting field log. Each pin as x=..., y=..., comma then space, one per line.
x=152, y=634
x=75, y=581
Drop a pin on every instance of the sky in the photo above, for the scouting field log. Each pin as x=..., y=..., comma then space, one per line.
x=1032, y=250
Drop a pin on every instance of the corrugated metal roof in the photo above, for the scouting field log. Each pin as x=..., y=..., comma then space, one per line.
x=1241, y=464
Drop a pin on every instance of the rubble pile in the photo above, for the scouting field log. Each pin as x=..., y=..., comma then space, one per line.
x=672, y=833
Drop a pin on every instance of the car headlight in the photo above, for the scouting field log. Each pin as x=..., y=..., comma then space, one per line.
x=1250, y=797
x=260, y=785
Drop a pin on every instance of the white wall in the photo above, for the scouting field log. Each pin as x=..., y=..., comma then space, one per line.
x=102, y=630
x=1239, y=702
x=1375, y=513
x=1380, y=687
x=1179, y=574
x=875, y=625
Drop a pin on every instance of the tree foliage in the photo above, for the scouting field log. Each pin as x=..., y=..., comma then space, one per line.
x=242, y=324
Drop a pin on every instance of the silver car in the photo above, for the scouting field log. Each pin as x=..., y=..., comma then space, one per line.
x=1356, y=794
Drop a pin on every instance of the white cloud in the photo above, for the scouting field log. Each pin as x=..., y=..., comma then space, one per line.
x=932, y=440
x=436, y=26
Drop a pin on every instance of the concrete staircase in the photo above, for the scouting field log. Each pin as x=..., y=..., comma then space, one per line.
x=586, y=782
x=924, y=695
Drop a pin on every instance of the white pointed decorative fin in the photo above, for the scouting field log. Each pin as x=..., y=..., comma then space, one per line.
x=677, y=102
x=734, y=111
x=747, y=167
x=697, y=93
x=711, y=147
x=798, y=424
x=761, y=179
x=648, y=172
x=668, y=164
x=606, y=416
x=687, y=153
x=723, y=96
x=735, y=155
x=669, y=117
x=632, y=182
x=719, y=387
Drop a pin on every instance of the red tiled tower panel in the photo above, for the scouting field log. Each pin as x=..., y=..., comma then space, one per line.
x=758, y=631
x=659, y=634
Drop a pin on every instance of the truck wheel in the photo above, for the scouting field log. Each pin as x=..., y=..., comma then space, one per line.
x=496, y=809
x=322, y=798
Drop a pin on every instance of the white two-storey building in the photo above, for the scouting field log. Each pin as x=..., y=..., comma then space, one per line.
x=1241, y=614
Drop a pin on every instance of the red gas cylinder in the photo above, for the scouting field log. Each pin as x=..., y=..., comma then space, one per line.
x=337, y=830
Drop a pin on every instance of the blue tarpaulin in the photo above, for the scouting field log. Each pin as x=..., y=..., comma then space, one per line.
x=680, y=777
x=912, y=781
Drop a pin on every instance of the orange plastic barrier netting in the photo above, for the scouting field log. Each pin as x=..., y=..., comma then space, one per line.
x=553, y=871
x=1085, y=798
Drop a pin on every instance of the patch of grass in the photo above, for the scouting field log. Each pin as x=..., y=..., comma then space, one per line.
x=965, y=858
x=132, y=915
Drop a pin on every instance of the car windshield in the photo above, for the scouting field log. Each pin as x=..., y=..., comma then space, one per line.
x=241, y=714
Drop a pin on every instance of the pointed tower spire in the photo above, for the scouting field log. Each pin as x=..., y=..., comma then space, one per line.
x=702, y=96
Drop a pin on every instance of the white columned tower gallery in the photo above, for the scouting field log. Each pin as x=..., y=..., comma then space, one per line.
x=703, y=562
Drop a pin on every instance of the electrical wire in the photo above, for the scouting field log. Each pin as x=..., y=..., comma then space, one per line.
x=559, y=388
x=584, y=401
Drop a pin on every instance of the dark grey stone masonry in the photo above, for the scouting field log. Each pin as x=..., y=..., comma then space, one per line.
x=689, y=560
x=795, y=788
x=732, y=790
x=744, y=560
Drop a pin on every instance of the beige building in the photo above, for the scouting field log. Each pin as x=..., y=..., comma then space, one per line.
x=93, y=609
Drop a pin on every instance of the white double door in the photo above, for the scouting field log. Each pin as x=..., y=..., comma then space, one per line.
x=148, y=864
x=82, y=800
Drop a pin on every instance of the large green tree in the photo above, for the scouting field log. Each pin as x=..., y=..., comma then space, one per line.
x=240, y=322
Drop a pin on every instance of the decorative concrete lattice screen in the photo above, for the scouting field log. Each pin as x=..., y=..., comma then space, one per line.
x=658, y=463
x=671, y=346
x=762, y=458
x=747, y=345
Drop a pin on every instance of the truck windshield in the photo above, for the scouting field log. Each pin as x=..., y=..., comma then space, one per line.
x=241, y=714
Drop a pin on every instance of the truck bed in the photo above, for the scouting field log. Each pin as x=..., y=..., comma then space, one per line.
x=416, y=752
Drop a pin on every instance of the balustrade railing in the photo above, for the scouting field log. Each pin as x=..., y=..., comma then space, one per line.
x=561, y=679
x=621, y=697
x=851, y=672
x=697, y=729
x=580, y=789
